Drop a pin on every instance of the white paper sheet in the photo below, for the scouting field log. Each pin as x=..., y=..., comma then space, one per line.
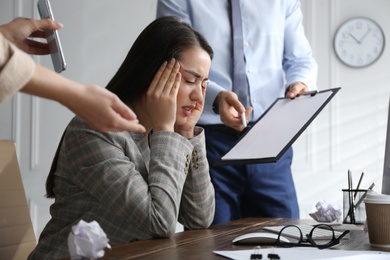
x=302, y=253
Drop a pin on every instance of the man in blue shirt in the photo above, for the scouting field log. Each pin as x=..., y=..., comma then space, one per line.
x=278, y=62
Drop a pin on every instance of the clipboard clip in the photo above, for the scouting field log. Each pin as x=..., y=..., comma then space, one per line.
x=308, y=93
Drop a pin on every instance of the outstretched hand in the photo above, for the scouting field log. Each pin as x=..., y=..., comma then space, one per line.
x=104, y=111
x=21, y=32
x=100, y=108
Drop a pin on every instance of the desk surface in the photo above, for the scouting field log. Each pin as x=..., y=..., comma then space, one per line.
x=200, y=244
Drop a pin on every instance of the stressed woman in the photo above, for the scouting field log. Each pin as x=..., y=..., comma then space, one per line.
x=138, y=185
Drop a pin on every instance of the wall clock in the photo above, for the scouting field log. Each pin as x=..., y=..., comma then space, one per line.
x=359, y=42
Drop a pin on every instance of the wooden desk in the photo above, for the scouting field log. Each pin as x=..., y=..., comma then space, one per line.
x=200, y=244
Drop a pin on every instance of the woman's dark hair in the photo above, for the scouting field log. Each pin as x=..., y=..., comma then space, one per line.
x=165, y=38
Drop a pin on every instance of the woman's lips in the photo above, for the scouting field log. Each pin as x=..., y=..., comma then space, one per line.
x=187, y=109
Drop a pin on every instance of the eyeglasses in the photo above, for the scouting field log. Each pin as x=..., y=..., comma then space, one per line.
x=315, y=238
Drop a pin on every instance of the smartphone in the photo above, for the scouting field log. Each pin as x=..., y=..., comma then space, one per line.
x=52, y=37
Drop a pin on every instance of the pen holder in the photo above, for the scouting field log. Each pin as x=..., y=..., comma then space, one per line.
x=354, y=214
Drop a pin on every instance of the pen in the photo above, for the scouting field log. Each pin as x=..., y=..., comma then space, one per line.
x=243, y=118
x=349, y=214
x=351, y=198
x=358, y=185
x=364, y=195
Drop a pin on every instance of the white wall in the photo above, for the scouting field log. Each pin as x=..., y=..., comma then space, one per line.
x=348, y=134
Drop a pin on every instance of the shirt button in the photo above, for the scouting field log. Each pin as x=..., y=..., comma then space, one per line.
x=246, y=44
x=254, y=100
x=249, y=71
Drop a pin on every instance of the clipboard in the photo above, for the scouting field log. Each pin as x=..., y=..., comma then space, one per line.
x=277, y=129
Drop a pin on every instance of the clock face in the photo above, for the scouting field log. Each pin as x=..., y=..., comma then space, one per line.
x=359, y=42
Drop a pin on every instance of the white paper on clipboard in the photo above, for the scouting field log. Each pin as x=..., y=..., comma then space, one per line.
x=276, y=130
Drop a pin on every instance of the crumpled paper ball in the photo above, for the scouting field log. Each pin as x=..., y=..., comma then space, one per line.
x=87, y=241
x=326, y=213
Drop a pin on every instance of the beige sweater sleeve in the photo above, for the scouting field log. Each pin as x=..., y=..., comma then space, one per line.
x=16, y=69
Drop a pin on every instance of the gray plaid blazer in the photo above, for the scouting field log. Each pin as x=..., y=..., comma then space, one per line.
x=133, y=191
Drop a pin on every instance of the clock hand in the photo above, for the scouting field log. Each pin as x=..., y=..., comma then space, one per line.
x=365, y=35
x=353, y=36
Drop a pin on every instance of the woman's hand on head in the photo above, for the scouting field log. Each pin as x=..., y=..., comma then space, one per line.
x=160, y=100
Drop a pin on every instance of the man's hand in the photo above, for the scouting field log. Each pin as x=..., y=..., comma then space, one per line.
x=229, y=109
x=295, y=89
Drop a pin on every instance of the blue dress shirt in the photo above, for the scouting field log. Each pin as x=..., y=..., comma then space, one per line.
x=276, y=49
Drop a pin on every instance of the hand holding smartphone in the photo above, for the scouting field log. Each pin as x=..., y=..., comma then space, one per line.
x=53, y=40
